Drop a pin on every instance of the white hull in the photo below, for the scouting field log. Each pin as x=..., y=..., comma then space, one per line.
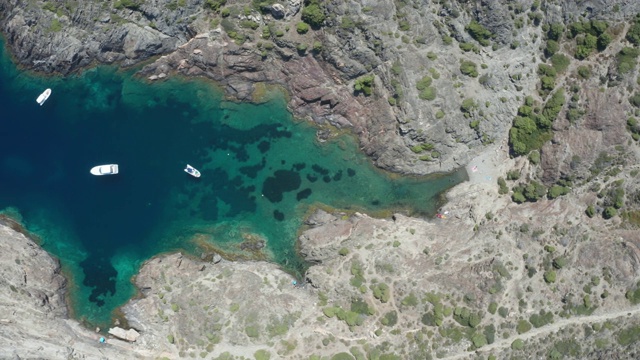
x=43, y=97
x=110, y=169
x=192, y=171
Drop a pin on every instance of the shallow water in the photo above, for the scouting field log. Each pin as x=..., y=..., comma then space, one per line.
x=261, y=172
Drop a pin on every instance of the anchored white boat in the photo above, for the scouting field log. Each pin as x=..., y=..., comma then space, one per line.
x=110, y=169
x=192, y=171
x=43, y=97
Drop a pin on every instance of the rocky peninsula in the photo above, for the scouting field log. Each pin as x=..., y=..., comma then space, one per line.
x=537, y=256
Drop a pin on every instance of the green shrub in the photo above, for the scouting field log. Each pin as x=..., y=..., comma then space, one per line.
x=628, y=336
x=428, y=94
x=252, y=331
x=547, y=70
x=317, y=46
x=609, y=212
x=313, y=13
x=465, y=317
x=214, y=5
x=534, y=157
x=523, y=326
x=424, y=83
x=129, y=4
x=466, y=47
x=517, y=344
x=560, y=262
x=557, y=190
x=633, y=34
x=390, y=318
x=550, y=276
x=493, y=306
x=56, y=26
x=534, y=191
x=469, y=68
x=517, y=197
x=555, y=31
x=503, y=189
x=410, y=300
x=584, y=72
x=302, y=28
x=554, y=105
x=343, y=252
x=381, y=292
x=541, y=319
x=364, y=84
x=635, y=100
x=560, y=62
x=479, y=340
x=627, y=60
x=551, y=48
x=468, y=105
x=603, y=41
x=479, y=33
x=262, y=355
x=302, y=48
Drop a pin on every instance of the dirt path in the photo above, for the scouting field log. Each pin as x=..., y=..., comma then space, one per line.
x=504, y=343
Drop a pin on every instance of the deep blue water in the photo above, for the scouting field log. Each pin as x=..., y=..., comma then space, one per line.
x=261, y=171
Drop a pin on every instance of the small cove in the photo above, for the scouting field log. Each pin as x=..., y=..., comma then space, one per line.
x=261, y=172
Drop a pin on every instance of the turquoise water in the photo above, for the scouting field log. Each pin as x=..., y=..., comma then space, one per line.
x=261, y=172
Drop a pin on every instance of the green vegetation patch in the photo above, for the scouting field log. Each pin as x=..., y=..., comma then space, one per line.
x=541, y=319
x=313, y=13
x=129, y=4
x=627, y=58
x=214, y=5
x=530, y=131
x=633, y=34
x=364, y=84
x=381, y=292
x=465, y=317
x=469, y=68
x=628, y=336
x=479, y=33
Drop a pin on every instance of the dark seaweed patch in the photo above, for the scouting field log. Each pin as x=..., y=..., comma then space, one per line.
x=278, y=215
x=264, y=146
x=303, y=194
x=282, y=181
x=319, y=169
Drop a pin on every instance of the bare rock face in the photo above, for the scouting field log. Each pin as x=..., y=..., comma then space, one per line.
x=129, y=335
x=33, y=314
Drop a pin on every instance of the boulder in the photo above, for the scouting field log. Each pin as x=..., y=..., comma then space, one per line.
x=129, y=335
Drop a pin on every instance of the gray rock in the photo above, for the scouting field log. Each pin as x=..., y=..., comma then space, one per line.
x=277, y=11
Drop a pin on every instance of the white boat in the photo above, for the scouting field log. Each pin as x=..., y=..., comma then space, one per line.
x=192, y=171
x=43, y=97
x=110, y=169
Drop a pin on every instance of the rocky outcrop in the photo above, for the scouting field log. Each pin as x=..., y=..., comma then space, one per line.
x=33, y=313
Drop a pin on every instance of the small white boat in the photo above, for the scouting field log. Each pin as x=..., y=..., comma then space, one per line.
x=192, y=171
x=43, y=97
x=110, y=169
